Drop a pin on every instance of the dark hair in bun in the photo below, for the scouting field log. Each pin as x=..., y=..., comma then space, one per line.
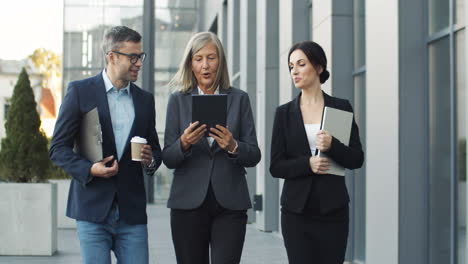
x=316, y=56
x=324, y=76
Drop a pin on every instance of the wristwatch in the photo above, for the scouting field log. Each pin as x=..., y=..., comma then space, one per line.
x=234, y=151
x=152, y=163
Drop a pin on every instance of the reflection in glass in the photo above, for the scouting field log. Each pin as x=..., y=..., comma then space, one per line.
x=461, y=142
x=190, y=4
x=439, y=152
x=85, y=22
x=104, y=3
x=175, y=22
x=438, y=15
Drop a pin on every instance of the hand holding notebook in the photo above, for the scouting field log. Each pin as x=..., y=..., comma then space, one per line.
x=338, y=124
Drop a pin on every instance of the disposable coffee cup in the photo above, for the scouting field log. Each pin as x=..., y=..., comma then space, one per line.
x=137, y=143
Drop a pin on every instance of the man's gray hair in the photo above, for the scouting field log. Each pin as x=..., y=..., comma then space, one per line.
x=115, y=36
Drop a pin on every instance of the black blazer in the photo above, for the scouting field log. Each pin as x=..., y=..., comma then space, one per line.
x=92, y=200
x=290, y=153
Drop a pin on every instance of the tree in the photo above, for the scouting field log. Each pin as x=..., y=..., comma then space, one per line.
x=24, y=154
x=47, y=63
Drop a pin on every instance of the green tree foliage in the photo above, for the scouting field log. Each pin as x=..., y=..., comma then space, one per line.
x=47, y=63
x=24, y=155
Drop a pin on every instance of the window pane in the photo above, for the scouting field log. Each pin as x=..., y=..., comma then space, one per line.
x=439, y=152
x=359, y=34
x=173, y=29
x=438, y=15
x=177, y=4
x=460, y=12
x=461, y=142
x=103, y=3
x=84, y=24
x=124, y=16
x=360, y=174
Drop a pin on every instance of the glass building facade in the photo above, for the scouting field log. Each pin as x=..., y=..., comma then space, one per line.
x=85, y=22
x=447, y=121
x=429, y=201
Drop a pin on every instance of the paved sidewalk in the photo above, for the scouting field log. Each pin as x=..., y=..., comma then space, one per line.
x=259, y=247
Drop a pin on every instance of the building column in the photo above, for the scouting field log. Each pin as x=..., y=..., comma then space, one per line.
x=223, y=24
x=293, y=28
x=248, y=74
x=414, y=121
x=233, y=34
x=465, y=6
x=148, y=45
x=148, y=72
x=267, y=101
x=322, y=33
x=382, y=99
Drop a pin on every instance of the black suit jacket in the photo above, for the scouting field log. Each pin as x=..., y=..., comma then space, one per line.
x=290, y=153
x=92, y=200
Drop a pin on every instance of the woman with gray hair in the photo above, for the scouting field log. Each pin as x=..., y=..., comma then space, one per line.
x=209, y=196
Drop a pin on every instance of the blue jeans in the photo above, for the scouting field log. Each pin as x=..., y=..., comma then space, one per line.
x=129, y=242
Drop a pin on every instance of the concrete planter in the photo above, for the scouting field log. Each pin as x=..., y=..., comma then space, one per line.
x=28, y=219
x=63, y=186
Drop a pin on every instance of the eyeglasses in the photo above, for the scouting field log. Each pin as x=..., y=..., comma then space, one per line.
x=133, y=57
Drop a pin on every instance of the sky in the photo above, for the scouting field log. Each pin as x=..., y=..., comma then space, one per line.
x=26, y=25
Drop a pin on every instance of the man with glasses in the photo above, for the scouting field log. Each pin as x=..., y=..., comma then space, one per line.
x=107, y=198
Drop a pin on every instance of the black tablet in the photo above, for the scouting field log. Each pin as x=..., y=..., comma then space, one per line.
x=210, y=110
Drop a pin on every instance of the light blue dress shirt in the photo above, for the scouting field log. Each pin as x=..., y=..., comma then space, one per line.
x=122, y=112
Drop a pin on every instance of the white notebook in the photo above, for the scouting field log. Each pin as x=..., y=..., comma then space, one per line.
x=338, y=123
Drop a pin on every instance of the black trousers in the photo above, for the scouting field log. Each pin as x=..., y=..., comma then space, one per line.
x=195, y=232
x=312, y=239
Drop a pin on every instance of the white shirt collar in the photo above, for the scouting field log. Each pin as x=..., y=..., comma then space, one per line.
x=108, y=84
x=200, y=91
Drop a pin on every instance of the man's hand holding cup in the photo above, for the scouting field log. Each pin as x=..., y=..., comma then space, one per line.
x=141, y=151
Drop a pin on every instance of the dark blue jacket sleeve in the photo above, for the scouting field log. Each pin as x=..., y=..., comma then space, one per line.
x=63, y=140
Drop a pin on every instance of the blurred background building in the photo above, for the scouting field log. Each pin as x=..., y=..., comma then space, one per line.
x=400, y=63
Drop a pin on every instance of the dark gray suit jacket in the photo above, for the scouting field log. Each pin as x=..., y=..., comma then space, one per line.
x=201, y=163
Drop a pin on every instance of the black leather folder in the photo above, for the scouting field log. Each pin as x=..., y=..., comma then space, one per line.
x=210, y=110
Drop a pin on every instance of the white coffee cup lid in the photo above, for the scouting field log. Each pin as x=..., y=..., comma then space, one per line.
x=139, y=140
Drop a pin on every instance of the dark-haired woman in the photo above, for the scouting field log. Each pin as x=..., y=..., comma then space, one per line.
x=314, y=203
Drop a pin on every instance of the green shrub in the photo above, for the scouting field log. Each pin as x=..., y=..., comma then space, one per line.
x=24, y=155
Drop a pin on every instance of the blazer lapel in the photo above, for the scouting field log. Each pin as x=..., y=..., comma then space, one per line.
x=104, y=116
x=297, y=123
x=328, y=101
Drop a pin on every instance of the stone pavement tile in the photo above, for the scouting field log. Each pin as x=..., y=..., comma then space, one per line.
x=259, y=247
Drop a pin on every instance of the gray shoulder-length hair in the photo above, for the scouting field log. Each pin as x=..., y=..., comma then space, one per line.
x=184, y=79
